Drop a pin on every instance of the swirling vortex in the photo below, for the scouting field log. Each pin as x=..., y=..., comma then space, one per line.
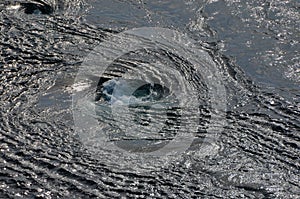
x=93, y=132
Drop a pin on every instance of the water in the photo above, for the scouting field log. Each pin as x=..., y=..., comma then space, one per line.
x=177, y=99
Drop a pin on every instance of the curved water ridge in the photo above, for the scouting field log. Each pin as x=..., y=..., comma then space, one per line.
x=42, y=156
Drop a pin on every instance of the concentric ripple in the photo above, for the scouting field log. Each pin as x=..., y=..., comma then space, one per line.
x=138, y=99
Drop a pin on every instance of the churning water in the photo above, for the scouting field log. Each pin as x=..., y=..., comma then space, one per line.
x=149, y=99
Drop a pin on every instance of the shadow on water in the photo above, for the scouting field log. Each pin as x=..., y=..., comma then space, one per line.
x=37, y=8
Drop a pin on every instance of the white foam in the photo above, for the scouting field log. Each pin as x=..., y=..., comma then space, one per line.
x=14, y=7
x=80, y=86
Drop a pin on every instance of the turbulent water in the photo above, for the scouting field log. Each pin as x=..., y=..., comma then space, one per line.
x=149, y=99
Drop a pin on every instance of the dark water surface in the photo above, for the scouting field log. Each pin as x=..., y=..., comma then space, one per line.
x=241, y=105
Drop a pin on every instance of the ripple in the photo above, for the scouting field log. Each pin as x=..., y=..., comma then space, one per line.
x=40, y=157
